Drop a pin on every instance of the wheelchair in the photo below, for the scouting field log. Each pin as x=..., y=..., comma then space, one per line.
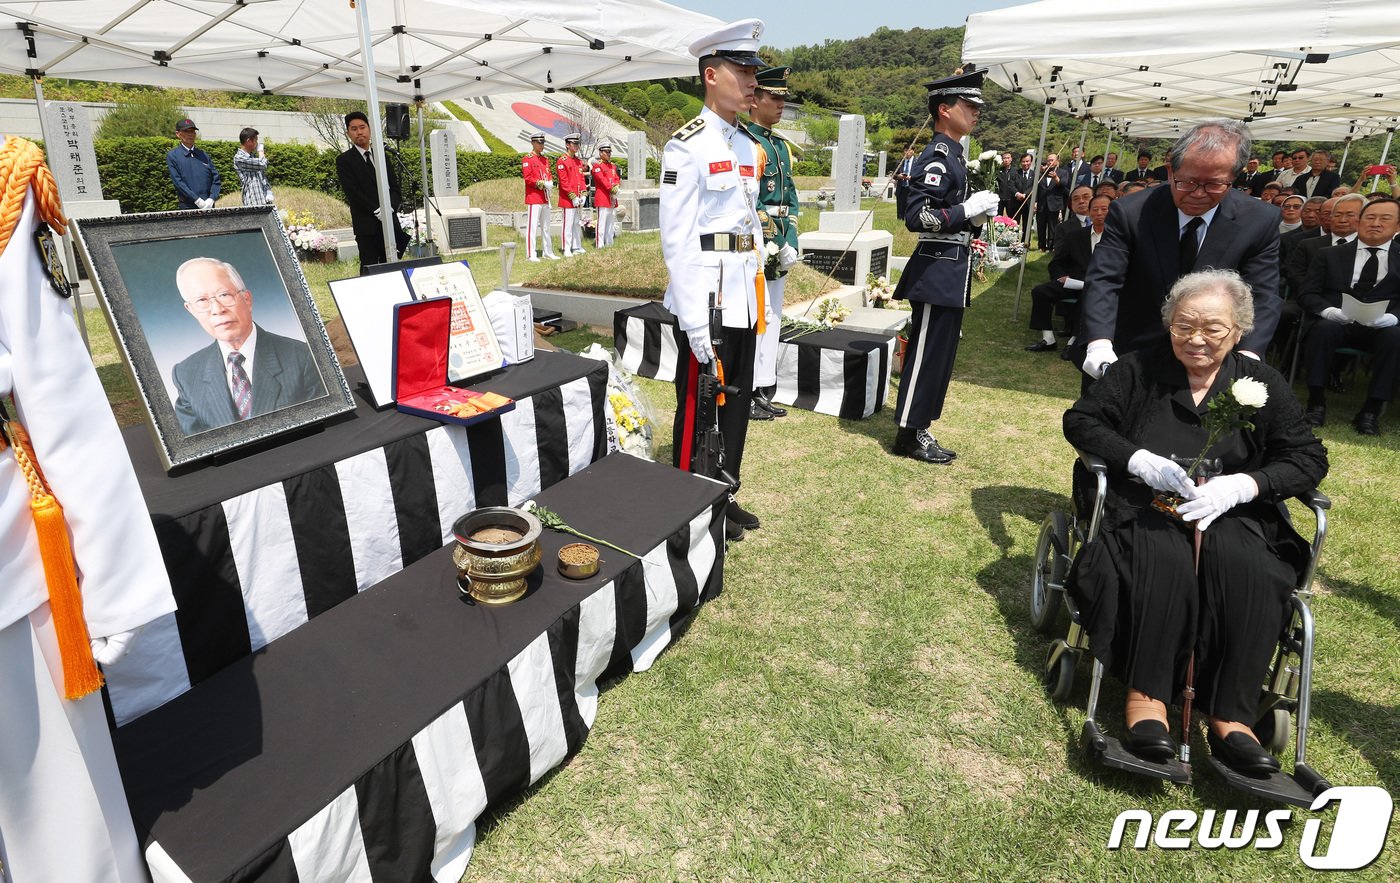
x=1285, y=693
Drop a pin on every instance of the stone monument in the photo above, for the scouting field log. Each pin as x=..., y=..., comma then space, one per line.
x=845, y=244
x=638, y=198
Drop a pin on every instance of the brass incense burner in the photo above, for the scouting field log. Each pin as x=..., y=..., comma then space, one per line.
x=497, y=548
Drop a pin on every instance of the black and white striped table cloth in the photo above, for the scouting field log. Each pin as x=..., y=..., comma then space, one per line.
x=649, y=342
x=842, y=373
x=258, y=546
x=363, y=746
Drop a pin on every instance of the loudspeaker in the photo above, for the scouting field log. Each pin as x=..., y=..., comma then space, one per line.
x=396, y=121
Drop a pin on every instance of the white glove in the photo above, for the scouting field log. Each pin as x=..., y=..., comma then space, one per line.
x=260, y=151
x=270, y=200
x=578, y=202
x=1216, y=497
x=1335, y=314
x=204, y=203
x=1097, y=357
x=113, y=647
x=379, y=214
x=548, y=185
x=1161, y=473
x=983, y=202
x=787, y=257
x=1384, y=320
x=700, y=344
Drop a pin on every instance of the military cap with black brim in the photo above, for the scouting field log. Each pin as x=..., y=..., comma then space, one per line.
x=773, y=80
x=736, y=42
x=966, y=85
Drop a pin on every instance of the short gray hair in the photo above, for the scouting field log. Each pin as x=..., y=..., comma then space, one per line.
x=1212, y=136
x=233, y=275
x=1209, y=282
x=1349, y=197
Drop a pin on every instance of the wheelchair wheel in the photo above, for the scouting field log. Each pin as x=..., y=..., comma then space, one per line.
x=1273, y=731
x=1051, y=568
x=1058, y=676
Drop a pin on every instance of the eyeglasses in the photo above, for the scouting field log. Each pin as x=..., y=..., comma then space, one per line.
x=1212, y=333
x=205, y=304
x=1214, y=188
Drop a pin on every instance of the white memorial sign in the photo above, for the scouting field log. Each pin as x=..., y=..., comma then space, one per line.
x=71, y=157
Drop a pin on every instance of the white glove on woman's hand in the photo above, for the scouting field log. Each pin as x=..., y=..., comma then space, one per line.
x=700, y=345
x=1160, y=473
x=1098, y=357
x=113, y=647
x=1216, y=497
x=787, y=257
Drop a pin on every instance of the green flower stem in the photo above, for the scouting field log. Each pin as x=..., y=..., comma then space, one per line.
x=550, y=519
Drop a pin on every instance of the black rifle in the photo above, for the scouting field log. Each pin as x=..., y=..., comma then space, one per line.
x=707, y=448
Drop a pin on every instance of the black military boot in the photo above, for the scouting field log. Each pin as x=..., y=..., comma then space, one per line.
x=918, y=444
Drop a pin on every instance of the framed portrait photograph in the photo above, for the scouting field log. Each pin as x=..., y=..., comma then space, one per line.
x=216, y=325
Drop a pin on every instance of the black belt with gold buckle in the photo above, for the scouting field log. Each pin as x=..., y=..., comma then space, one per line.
x=726, y=242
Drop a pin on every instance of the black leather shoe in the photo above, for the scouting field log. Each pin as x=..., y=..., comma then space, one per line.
x=756, y=412
x=733, y=530
x=1041, y=346
x=1150, y=740
x=1242, y=754
x=918, y=444
x=1366, y=423
x=767, y=404
x=1316, y=415
x=740, y=516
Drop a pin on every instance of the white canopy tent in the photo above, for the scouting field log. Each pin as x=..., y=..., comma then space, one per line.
x=379, y=50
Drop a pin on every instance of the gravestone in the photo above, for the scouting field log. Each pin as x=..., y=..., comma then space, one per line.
x=884, y=162
x=636, y=159
x=639, y=200
x=845, y=244
x=443, y=144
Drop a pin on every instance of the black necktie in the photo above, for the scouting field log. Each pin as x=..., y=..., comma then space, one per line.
x=1369, y=271
x=369, y=162
x=1186, y=252
x=1096, y=180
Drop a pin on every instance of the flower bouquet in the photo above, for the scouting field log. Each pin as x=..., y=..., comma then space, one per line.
x=878, y=291
x=982, y=171
x=311, y=244
x=830, y=313
x=1228, y=411
x=977, y=250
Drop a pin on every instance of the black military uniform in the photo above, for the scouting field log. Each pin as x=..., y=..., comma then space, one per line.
x=938, y=278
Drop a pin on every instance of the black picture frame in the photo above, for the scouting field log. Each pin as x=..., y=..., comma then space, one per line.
x=132, y=261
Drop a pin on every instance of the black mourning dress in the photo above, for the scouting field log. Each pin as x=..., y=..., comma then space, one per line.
x=1143, y=605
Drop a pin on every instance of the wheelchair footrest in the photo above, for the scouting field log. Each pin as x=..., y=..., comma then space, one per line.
x=1108, y=751
x=1279, y=787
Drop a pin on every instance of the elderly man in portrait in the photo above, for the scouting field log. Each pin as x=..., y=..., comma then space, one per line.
x=1153, y=239
x=246, y=370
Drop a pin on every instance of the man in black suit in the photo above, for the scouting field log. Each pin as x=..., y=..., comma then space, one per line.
x=1311, y=226
x=1018, y=193
x=1049, y=201
x=1143, y=172
x=1153, y=238
x=247, y=370
x=1110, y=169
x=1074, y=172
x=1366, y=270
x=1252, y=179
x=1006, y=185
x=355, y=167
x=1074, y=247
x=1317, y=181
x=1343, y=213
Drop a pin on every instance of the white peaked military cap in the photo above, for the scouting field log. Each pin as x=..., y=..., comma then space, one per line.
x=605, y=146
x=737, y=42
x=572, y=136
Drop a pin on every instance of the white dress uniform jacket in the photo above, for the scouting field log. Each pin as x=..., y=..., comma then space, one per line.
x=709, y=184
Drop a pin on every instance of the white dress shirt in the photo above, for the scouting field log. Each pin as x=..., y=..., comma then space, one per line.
x=1362, y=256
x=248, y=349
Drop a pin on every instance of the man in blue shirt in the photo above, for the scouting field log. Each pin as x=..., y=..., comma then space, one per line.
x=192, y=171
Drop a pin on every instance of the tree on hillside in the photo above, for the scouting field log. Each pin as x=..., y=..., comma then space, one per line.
x=150, y=115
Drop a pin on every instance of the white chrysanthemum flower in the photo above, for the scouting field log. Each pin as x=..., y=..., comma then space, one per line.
x=987, y=154
x=1249, y=392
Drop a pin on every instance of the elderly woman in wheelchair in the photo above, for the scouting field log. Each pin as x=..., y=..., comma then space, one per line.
x=1151, y=610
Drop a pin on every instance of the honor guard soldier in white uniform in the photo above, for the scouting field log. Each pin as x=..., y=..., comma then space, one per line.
x=76, y=582
x=777, y=209
x=711, y=239
x=938, y=278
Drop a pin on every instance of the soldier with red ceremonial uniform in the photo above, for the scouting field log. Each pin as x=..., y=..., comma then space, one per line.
x=606, y=182
x=572, y=191
x=538, y=182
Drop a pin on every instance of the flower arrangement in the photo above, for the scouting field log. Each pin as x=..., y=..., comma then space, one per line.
x=982, y=171
x=977, y=249
x=305, y=237
x=878, y=291
x=831, y=312
x=1229, y=410
x=1005, y=231
x=634, y=429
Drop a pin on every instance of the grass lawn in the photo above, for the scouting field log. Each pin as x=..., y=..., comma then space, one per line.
x=863, y=701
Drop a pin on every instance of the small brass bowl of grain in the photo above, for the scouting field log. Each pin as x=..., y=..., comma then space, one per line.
x=578, y=561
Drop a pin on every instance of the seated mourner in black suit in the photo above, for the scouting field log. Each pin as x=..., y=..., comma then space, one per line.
x=247, y=370
x=1073, y=248
x=1317, y=181
x=1367, y=269
x=1342, y=214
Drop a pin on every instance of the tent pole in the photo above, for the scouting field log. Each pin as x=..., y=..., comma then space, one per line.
x=1385, y=152
x=1346, y=148
x=423, y=162
x=1107, y=144
x=376, y=133
x=1083, y=134
x=69, y=252
x=1030, y=212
